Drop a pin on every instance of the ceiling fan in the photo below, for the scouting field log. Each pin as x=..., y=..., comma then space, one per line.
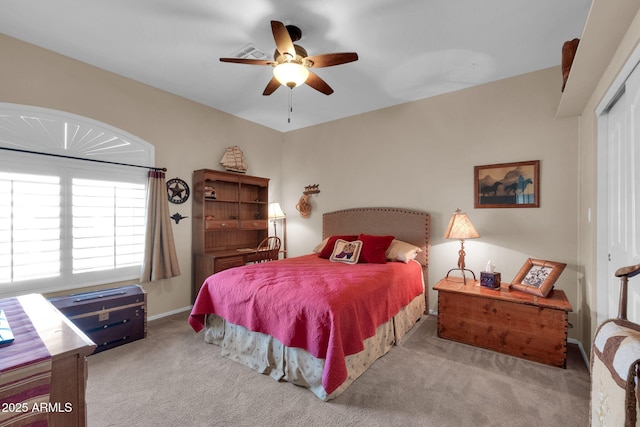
x=291, y=63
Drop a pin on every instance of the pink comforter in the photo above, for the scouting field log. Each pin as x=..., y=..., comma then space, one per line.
x=326, y=308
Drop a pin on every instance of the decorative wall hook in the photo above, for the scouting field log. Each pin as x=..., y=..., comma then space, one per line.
x=312, y=189
x=177, y=217
x=303, y=206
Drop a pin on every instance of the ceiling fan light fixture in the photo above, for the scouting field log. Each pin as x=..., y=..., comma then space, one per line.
x=291, y=63
x=291, y=74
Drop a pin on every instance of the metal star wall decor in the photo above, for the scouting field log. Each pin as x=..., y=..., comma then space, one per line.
x=177, y=191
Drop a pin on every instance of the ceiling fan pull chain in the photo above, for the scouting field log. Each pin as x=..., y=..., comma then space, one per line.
x=290, y=105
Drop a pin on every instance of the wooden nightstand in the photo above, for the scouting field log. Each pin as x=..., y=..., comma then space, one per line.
x=509, y=322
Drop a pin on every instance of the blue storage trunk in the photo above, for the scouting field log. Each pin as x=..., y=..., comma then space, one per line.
x=109, y=317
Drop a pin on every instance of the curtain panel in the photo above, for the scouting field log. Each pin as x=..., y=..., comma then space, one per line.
x=160, y=259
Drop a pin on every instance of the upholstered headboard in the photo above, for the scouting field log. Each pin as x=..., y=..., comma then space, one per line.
x=404, y=224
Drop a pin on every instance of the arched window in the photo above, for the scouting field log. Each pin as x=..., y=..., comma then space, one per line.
x=66, y=222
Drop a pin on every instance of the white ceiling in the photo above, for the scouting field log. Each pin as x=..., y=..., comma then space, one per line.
x=408, y=49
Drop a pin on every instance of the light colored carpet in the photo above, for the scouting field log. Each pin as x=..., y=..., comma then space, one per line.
x=173, y=378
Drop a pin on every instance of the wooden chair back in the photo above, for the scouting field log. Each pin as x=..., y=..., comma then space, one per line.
x=267, y=250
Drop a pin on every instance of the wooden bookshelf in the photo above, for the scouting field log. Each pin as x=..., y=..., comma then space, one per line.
x=230, y=217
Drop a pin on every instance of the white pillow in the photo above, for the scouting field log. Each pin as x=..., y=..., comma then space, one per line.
x=320, y=246
x=347, y=252
x=402, y=251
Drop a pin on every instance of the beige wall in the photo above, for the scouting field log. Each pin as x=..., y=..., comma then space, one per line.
x=417, y=155
x=186, y=135
x=421, y=155
x=588, y=166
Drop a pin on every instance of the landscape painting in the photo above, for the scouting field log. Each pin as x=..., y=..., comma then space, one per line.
x=507, y=185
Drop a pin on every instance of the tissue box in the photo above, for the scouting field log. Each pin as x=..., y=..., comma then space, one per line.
x=490, y=280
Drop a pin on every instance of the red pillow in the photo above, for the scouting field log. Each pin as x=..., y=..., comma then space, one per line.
x=328, y=248
x=374, y=248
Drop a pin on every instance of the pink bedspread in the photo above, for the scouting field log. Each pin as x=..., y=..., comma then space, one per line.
x=324, y=307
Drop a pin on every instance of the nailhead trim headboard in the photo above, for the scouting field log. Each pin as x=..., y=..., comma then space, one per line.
x=407, y=225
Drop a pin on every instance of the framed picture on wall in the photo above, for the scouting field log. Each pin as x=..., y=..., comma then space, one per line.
x=507, y=185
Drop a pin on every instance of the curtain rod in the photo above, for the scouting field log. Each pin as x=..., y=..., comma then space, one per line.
x=80, y=158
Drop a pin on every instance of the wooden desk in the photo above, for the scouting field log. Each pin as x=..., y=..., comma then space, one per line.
x=510, y=322
x=213, y=262
x=69, y=348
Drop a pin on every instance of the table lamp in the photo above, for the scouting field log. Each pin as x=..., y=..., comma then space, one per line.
x=275, y=213
x=460, y=228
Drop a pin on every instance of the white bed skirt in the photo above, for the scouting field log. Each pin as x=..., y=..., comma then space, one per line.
x=268, y=356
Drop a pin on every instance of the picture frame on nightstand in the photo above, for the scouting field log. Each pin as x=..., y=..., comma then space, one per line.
x=537, y=277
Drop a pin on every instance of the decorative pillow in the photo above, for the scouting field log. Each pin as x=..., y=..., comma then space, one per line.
x=320, y=245
x=374, y=248
x=328, y=247
x=345, y=251
x=402, y=251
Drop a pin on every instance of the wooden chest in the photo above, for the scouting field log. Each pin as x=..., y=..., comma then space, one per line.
x=509, y=322
x=109, y=317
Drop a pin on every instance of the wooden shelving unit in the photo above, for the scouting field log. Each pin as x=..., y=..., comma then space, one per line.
x=229, y=219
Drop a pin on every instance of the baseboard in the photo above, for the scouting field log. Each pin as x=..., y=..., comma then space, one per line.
x=169, y=313
x=585, y=356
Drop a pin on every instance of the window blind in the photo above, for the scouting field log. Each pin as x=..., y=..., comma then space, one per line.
x=30, y=227
x=63, y=230
x=108, y=224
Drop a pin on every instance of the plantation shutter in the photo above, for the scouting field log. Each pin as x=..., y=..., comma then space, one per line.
x=30, y=227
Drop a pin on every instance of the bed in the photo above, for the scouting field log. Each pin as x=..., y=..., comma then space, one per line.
x=320, y=323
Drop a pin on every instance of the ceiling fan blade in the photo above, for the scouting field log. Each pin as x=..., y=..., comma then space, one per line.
x=247, y=61
x=271, y=86
x=318, y=84
x=282, y=38
x=329, y=59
